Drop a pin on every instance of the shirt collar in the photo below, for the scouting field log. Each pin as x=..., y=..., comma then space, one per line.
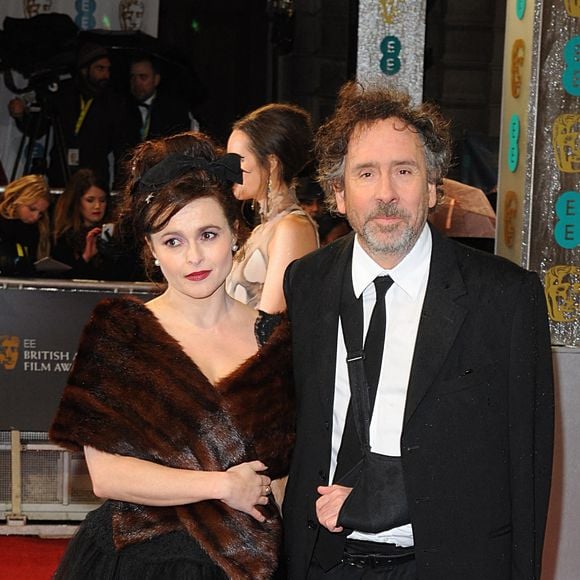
x=407, y=274
x=149, y=101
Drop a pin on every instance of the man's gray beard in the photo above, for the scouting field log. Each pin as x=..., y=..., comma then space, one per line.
x=400, y=246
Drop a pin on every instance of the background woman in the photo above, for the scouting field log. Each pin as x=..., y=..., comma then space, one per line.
x=181, y=435
x=24, y=225
x=78, y=217
x=275, y=145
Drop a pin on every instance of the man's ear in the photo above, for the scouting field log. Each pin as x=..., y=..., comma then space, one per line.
x=432, y=193
x=339, y=197
x=156, y=79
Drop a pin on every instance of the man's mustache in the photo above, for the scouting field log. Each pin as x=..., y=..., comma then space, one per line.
x=387, y=210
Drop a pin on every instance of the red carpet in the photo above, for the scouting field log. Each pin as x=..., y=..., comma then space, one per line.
x=29, y=557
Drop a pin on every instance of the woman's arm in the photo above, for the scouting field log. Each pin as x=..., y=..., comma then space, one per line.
x=144, y=482
x=294, y=237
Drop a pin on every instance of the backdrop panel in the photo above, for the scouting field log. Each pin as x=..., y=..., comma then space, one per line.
x=39, y=333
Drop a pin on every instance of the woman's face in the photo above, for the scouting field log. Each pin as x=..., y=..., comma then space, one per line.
x=255, y=185
x=31, y=213
x=195, y=249
x=93, y=206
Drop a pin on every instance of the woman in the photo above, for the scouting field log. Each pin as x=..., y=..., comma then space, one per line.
x=274, y=143
x=181, y=435
x=78, y=217
x=24, y=225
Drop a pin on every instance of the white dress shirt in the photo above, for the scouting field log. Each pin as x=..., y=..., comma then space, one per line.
x=404, y=302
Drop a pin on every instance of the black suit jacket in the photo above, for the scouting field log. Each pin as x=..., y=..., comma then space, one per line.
x=477, y=436
x=169, y=115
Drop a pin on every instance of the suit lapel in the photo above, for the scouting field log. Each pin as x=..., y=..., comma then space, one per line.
x=440, y=322
x=325, y=320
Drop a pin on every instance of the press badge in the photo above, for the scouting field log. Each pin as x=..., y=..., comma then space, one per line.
x=73, y=157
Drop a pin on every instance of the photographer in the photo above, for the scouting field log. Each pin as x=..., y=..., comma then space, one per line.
x=88, y=119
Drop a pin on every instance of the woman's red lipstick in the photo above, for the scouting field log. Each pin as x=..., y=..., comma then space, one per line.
x=198, y=276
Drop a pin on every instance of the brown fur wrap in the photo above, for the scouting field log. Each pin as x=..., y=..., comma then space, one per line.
x=133, y=391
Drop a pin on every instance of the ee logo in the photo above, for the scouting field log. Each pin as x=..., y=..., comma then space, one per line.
x=571, y=76
x=514, y=147
x=390, y=49
x=85, y=18
x=567, y=232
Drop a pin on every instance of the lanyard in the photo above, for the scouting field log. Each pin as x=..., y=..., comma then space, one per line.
x=85, y=106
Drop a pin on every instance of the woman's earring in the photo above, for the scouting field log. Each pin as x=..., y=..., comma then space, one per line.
x=235, y=248
x=157, y=262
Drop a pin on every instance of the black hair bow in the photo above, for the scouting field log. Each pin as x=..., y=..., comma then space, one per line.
x=226, y=168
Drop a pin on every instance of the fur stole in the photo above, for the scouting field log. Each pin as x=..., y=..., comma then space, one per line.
x=133, y=391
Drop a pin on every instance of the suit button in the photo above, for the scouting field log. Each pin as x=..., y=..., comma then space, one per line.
x=322, y=475
x=312, y=525
x=326, y=425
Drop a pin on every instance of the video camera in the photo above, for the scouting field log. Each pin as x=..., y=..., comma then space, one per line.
x=42, y=49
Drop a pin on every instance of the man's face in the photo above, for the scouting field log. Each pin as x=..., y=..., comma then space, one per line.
x=143, y=80
x=9, y=352
x=132, y=16
x=386, y=193
x=98, y=73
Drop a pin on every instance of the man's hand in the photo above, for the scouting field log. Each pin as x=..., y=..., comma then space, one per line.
x=329, y=504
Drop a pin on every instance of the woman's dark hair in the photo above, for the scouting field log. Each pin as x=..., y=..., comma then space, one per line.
x=67, y=213
x=147, y=210
x=282, y=130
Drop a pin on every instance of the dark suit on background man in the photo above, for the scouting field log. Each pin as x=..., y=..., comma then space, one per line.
x=477, y=430
x=167, y=116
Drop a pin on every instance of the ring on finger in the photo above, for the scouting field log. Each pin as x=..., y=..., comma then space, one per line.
x=268, y=490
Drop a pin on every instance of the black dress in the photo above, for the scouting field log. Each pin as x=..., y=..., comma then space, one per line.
x=91, y=555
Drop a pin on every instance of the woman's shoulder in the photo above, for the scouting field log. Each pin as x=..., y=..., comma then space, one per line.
x=120, y=314
x=295, y=226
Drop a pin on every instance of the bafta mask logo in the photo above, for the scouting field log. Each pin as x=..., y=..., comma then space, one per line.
x=518, y=54
x=36, y=7
x=390, y=9
x=131, y=14
x=566, y=142
x=562, y=287
x=573, y=8
x=510, y=211
x=9, y=349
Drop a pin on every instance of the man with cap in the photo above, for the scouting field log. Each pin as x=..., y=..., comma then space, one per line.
x=87, y=114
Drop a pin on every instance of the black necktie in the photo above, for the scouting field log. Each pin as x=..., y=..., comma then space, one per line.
x=350, y=450
x=375, y=339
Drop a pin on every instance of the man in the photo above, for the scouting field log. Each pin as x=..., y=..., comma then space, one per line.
x=88, y=115
x=455, y=483
x=154, y=113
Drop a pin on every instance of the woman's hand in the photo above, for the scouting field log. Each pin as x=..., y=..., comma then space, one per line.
x=246, y=488
x=91, y=250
